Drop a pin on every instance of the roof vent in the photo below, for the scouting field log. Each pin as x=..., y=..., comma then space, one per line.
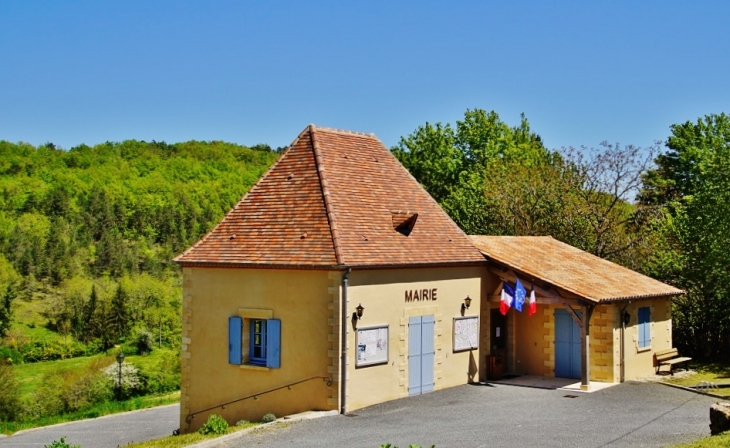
x=403, y=222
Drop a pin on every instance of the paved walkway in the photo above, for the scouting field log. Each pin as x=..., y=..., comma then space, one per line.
x=109, y=431
x=632, y=414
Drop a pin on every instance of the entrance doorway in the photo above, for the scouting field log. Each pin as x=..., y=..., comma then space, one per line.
x=567, y=345
x=421, y=354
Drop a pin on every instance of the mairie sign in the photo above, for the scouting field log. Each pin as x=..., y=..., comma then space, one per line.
x=417, y=295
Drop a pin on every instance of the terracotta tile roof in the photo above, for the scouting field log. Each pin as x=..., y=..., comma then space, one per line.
x=569, y=268
x=335, y=198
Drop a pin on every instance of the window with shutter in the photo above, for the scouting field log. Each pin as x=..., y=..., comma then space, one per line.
x=644, y=327
x=262, y=338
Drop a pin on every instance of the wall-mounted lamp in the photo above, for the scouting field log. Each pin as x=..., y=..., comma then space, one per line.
x=627, y=318
x=357, y=315
x=465, y=306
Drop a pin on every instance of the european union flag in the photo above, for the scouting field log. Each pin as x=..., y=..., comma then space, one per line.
x=520, y=295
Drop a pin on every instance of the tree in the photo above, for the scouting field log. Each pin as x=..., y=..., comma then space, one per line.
x=9, y=392
x=118, y=319
x=692, y=181
x=681, y=169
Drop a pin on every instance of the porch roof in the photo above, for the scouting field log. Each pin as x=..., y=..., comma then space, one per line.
x=571, y=269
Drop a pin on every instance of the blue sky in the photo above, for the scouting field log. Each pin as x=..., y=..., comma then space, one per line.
x=248, y=72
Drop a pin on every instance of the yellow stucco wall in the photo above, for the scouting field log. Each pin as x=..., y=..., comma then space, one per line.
x=640, y=362
x=382, y=294
x=302, y=300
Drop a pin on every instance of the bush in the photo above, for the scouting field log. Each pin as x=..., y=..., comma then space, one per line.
x=144, y=342
x=69, y=391
x=215, y=425
x=242, y=422
x=9, y=392
x=133, y=383
x=164, y=376
x=61, y=444
x=268, y=418
x=10, y=355
x=52, y=350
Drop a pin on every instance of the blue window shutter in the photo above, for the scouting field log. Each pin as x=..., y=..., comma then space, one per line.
x=273, y=343
x=235, y=324
x=644, y=327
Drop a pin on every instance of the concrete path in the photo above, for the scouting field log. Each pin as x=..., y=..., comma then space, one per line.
x=627, y=415
x=109, y=431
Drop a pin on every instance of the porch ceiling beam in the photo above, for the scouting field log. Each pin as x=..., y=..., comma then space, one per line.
x=550, y=293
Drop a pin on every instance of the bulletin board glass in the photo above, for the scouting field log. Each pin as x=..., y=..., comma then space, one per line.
x=372, y=346
x=466, y=333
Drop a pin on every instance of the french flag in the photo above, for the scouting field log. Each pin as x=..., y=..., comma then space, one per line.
x=508, y=296
x=533, y=303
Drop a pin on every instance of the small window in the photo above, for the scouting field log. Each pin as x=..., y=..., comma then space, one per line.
x=257, y=342
x=644, y=327
x=264, y=342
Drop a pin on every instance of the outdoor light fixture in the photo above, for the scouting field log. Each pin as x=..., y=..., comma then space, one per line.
x=627, y=318
x=465, y=306
x=359, y=311
x=120, y=360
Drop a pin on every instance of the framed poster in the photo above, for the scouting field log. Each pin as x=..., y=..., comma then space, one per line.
x=466, y=333
x=371, y=346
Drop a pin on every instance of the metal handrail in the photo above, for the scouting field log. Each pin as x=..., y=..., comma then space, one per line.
x=192, y=415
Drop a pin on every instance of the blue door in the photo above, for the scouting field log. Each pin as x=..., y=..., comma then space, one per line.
x=567, y=346
x=421, y=354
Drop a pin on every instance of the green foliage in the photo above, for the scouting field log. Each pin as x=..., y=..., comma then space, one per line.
x=68, y=391
x=693, y=181
x=493, y=179
x=61, y=444
x=9, y=392
x=215, y=425
x=268, y=418
x=8, y=293
x=93, y=230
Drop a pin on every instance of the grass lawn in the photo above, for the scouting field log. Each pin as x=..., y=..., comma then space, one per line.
x=720, y=440
x=30, y=375
x=709, y=373
x=185, y=439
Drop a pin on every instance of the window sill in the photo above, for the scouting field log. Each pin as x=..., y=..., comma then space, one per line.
x=643, y=349
x=253, y=367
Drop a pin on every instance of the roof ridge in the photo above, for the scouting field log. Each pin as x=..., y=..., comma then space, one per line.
x=343, y=131
x=326, y=194
x=243, y=198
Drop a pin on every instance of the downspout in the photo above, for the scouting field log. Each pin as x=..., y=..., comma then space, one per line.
x=623, y=330
x=343, y=344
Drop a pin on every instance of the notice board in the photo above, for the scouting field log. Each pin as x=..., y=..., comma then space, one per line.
x=372, y=346
x=466, y=333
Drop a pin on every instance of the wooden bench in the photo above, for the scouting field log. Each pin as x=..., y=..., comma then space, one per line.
x=670, y=357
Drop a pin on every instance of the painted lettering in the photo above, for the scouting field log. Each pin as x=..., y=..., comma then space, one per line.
x=417, y=295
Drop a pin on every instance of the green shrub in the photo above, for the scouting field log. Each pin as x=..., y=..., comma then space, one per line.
x=163, y=376
x=9, y=392
x=10, y=355
x=215, y=425
x=61, y=444
x=242, y=422
x=69, y=391
x=144, y=341
x=268, y=418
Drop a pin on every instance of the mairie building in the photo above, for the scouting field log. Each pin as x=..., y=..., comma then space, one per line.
x=337, y=282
